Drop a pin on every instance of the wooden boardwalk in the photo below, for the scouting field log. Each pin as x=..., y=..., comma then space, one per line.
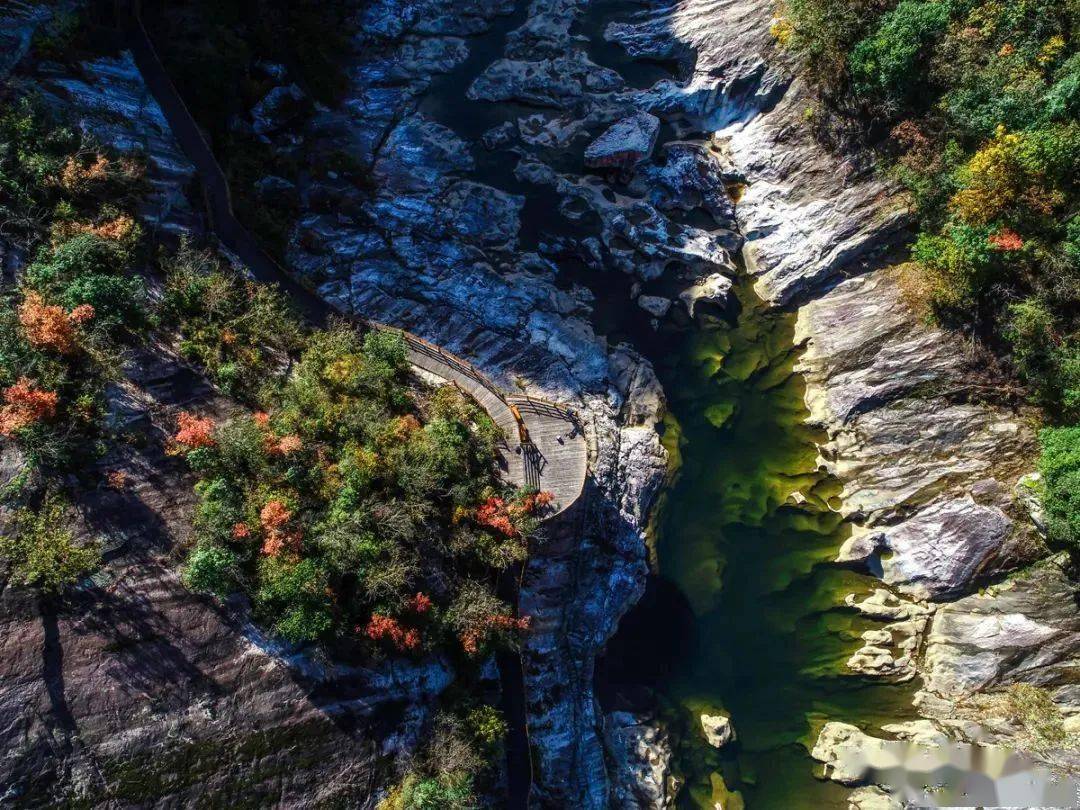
x=545, y=446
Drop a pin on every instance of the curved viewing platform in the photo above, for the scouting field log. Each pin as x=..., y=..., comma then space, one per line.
x=545, y=442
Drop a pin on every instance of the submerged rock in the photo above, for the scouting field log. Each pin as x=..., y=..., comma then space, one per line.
x=718, y=730
x=624, y=144
x=655, y=305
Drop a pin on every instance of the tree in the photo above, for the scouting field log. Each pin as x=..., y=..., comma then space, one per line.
x=885, y=65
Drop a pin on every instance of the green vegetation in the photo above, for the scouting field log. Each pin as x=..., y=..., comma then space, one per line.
x=352, y=506
x=77, y=307
x=41, y=551
x=79, y=303
x=240, y=332
x=1060, y=468
x=444, y=773
x=981, y=101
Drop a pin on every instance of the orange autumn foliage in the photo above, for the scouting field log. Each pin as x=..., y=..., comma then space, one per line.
x=114, y=230
x=274, y=515
x=289, y=444
x=1006, y=240
x=77, y=178
x=25, y=405
x=421, y=603
x=279, y=542
x=194, y=432
x=387, y=628
x=48, y=326
x=494, y=514
x=472, y=637
x=117, y=479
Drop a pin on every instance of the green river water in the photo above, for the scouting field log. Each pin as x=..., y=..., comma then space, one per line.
x=743, y=543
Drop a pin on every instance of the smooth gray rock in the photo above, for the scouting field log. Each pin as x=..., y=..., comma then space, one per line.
x=625, y=143
x=942, y=549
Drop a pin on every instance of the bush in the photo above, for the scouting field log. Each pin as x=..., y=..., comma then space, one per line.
x=1063, y=98
x=89, y=270
x=962, y=267
x=432, y=793
x=293, y=597
x=885, y=65
x=1047, y=361
x=241, y=332
x=41, y=551
x=487, y=726
x=211, y=569
x=823, y=32
x=1059, y=464
x=984, y=96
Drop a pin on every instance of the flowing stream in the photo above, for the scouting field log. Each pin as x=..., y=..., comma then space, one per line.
x=744, y=614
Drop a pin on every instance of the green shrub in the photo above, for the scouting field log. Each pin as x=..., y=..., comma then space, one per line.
x=1047, y=361
x=241, y=332
x=41, y=551
x=1063, y=98
x=487, y=726
x=885, y=65
x=962, y=265
x=1059, y=464
x=211, y=569
x=431, y=793
x=822, y=33
x=87, y=269
x=293, y=597
x=443, y=793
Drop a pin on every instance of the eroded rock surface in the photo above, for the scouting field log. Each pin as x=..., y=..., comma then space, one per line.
x=641, y=754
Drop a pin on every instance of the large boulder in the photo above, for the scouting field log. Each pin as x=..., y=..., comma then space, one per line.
x=718, y=730
x=625, y=143
x=642, y=754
